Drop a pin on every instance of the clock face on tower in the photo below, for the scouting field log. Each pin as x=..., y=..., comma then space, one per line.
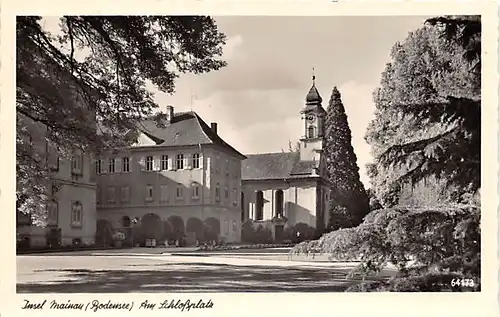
x=310, y=118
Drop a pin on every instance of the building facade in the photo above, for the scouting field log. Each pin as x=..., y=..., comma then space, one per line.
x=71, y=210
x=179, y=180
x=285, y=190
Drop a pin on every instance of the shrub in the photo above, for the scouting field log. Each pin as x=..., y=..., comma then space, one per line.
x=250, y=234
x=429, y=247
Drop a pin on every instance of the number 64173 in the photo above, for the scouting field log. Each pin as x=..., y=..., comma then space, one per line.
x=462, y=282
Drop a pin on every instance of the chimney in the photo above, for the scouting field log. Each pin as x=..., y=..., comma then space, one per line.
x=170, y=113
x=213, y=126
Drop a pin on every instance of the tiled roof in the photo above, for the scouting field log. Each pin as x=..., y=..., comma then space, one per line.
x=183, y=130
x=186, y=128
x=275, y=166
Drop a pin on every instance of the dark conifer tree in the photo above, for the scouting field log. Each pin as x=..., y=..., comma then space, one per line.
x=349, y=203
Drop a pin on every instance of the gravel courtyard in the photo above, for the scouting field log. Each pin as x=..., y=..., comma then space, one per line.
x=136, y=272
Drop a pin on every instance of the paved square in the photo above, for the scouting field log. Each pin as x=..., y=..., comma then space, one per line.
x=115, y=273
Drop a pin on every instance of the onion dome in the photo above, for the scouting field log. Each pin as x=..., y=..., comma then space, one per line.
x=313, y=97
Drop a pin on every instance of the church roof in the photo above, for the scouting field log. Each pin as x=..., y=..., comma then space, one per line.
x=313, y=97
x=185, y=129
x=269, y=166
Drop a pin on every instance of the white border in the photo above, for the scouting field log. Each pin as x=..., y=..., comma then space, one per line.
x=287, y=304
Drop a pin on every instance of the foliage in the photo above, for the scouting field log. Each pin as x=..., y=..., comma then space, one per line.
x=257, y=234
x=339, y=217
x=373, y=200
x=306, y=232
x=342, y=168
x=429, y=247
x=88, y=85
x=293, y=148
x=428, y=113
x=118, y=236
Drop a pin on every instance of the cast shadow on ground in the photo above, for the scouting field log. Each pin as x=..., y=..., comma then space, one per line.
x=194, y=277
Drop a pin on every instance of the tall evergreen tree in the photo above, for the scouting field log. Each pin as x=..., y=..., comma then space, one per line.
x=349, y=203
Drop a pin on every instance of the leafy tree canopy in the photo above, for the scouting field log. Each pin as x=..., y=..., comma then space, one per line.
x=428, y=111
x=66, y=95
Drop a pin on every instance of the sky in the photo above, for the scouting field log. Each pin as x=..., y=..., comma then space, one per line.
x=256, y=98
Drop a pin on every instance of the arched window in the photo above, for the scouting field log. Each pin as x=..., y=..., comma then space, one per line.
x=278, y=203
x=310, y=132
x=259, y=205
x=76, y=214
x=195, y=187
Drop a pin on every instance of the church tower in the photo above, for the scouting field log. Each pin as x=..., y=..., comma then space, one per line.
x=313, y=114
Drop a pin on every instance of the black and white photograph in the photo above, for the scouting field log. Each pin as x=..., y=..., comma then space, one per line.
x=250, y=154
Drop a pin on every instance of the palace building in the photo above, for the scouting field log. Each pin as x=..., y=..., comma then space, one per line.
x=179, y=180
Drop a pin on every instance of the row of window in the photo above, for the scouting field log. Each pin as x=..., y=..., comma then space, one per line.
x=149, y=163
x=76, y=214
x=165, y=193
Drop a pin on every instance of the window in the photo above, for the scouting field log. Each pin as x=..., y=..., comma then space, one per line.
x=234, y=169
x=164, y=162
x=76, y=164
x=226, y=192
x=196, y=160
x=111, y=194
x=217, y=162
x=235, y=195
x=234, y=226
x=149, y=193
x=149, y=163
x=179, y=193
x=242, y=207
x=111, y=165
x=227, y=167
x=98, y=166
x=52, y=213
x=180, y=161
x=196, y=190
x=164, y=193
x=126, y=222
x=310, y=132
x=126, y=164
x=53, y=157
x=278, y=203
x=76, y=214
x=125, y=193
x=259, y=205
x=217, y=192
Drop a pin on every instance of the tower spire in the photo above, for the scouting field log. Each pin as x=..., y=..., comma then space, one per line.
x=313, y=97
